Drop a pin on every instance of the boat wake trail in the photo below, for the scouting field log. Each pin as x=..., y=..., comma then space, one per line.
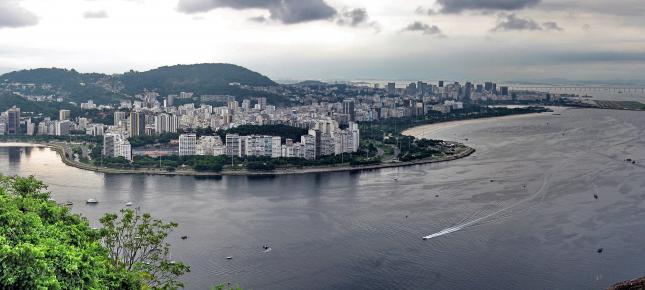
x=485, y=218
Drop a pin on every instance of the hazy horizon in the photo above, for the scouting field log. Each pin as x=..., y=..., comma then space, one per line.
x=333, y=39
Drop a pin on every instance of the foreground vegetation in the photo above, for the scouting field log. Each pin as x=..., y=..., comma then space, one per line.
x=45, y=246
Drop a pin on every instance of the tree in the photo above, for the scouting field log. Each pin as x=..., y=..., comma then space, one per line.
x=44, y=246
x=137, y=242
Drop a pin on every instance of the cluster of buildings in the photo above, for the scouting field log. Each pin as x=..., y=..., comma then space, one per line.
x=326, y=138
x=322, y=109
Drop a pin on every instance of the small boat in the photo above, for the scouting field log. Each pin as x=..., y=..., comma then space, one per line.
x=229, y=258
x=92, y=201
x=69, y=203
x=395, y=179
x=184, y=237
x=600, y=250
x=129, y=203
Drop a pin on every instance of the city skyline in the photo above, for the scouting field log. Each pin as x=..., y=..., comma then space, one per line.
x=333, y=39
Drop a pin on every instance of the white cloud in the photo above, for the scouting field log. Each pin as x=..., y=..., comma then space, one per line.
x=12, y=14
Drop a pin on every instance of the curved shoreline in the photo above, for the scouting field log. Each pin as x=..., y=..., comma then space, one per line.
x=61, y=152
x=422, y=130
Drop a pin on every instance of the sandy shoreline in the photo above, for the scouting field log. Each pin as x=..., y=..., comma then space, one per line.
x=426, y=131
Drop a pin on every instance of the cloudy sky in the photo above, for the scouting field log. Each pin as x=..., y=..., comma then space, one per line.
x=333, y=39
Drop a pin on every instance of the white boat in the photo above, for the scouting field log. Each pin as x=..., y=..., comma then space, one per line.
x=229, y=258
x=92, y=201
x=129, y=203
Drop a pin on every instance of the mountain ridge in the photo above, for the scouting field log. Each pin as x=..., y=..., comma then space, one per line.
x=203, y=78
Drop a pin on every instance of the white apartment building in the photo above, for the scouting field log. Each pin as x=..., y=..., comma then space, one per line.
x=187, y=144
x=210, y=145
x=115, y=145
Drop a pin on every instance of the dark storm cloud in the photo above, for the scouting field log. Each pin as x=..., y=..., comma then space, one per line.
x=285, y=11
x=95, y=14
x=509, y=22
x=425, y=28
x=13, y=15
x=458, y=6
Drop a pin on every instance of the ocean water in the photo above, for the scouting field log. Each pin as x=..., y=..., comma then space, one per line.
x=519, y=213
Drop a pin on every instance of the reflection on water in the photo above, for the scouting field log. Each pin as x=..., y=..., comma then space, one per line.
x=363, y=230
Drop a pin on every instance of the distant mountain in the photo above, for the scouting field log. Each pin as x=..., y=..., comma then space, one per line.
x=212, y=79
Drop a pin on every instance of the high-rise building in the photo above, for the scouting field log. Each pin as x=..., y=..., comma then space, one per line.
x=246, y=105
x=468, y=88
x=309, y=142
x=165, y=123
x=488, y=86
x=63, y=128
x=63, y=115
x=233, y=145
x=318, y=141
x=276, y=147
x=13, y=120
x=119, y=118
x=31, y=127
x=209, y=146
x=348, y=109
x=262, y=102
x=441, y=84
x=114, y=145
x=187, y=144
x=503, y=91
x=391, y=88
x=109, y=141
x=170, y=101
x=411, y=89
x=137, y=124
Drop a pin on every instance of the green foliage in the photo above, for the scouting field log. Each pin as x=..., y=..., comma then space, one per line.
x=212, y=79
x=197, y=78
x=73, y=85
x=283, y=131
x=47, y=109
x=142, y=140
x=44, y=246
x=260, y=166
x=137, y=242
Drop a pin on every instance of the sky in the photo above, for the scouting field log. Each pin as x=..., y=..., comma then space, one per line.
x=334, y=39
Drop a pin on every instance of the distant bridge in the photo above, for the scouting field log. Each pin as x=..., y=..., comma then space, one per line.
x=576, y=89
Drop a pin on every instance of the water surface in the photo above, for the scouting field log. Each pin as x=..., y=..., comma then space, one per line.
x=350, y=231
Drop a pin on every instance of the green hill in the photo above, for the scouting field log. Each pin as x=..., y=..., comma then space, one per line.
x=201, y=79
x=47, y=109
x=197, y=78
